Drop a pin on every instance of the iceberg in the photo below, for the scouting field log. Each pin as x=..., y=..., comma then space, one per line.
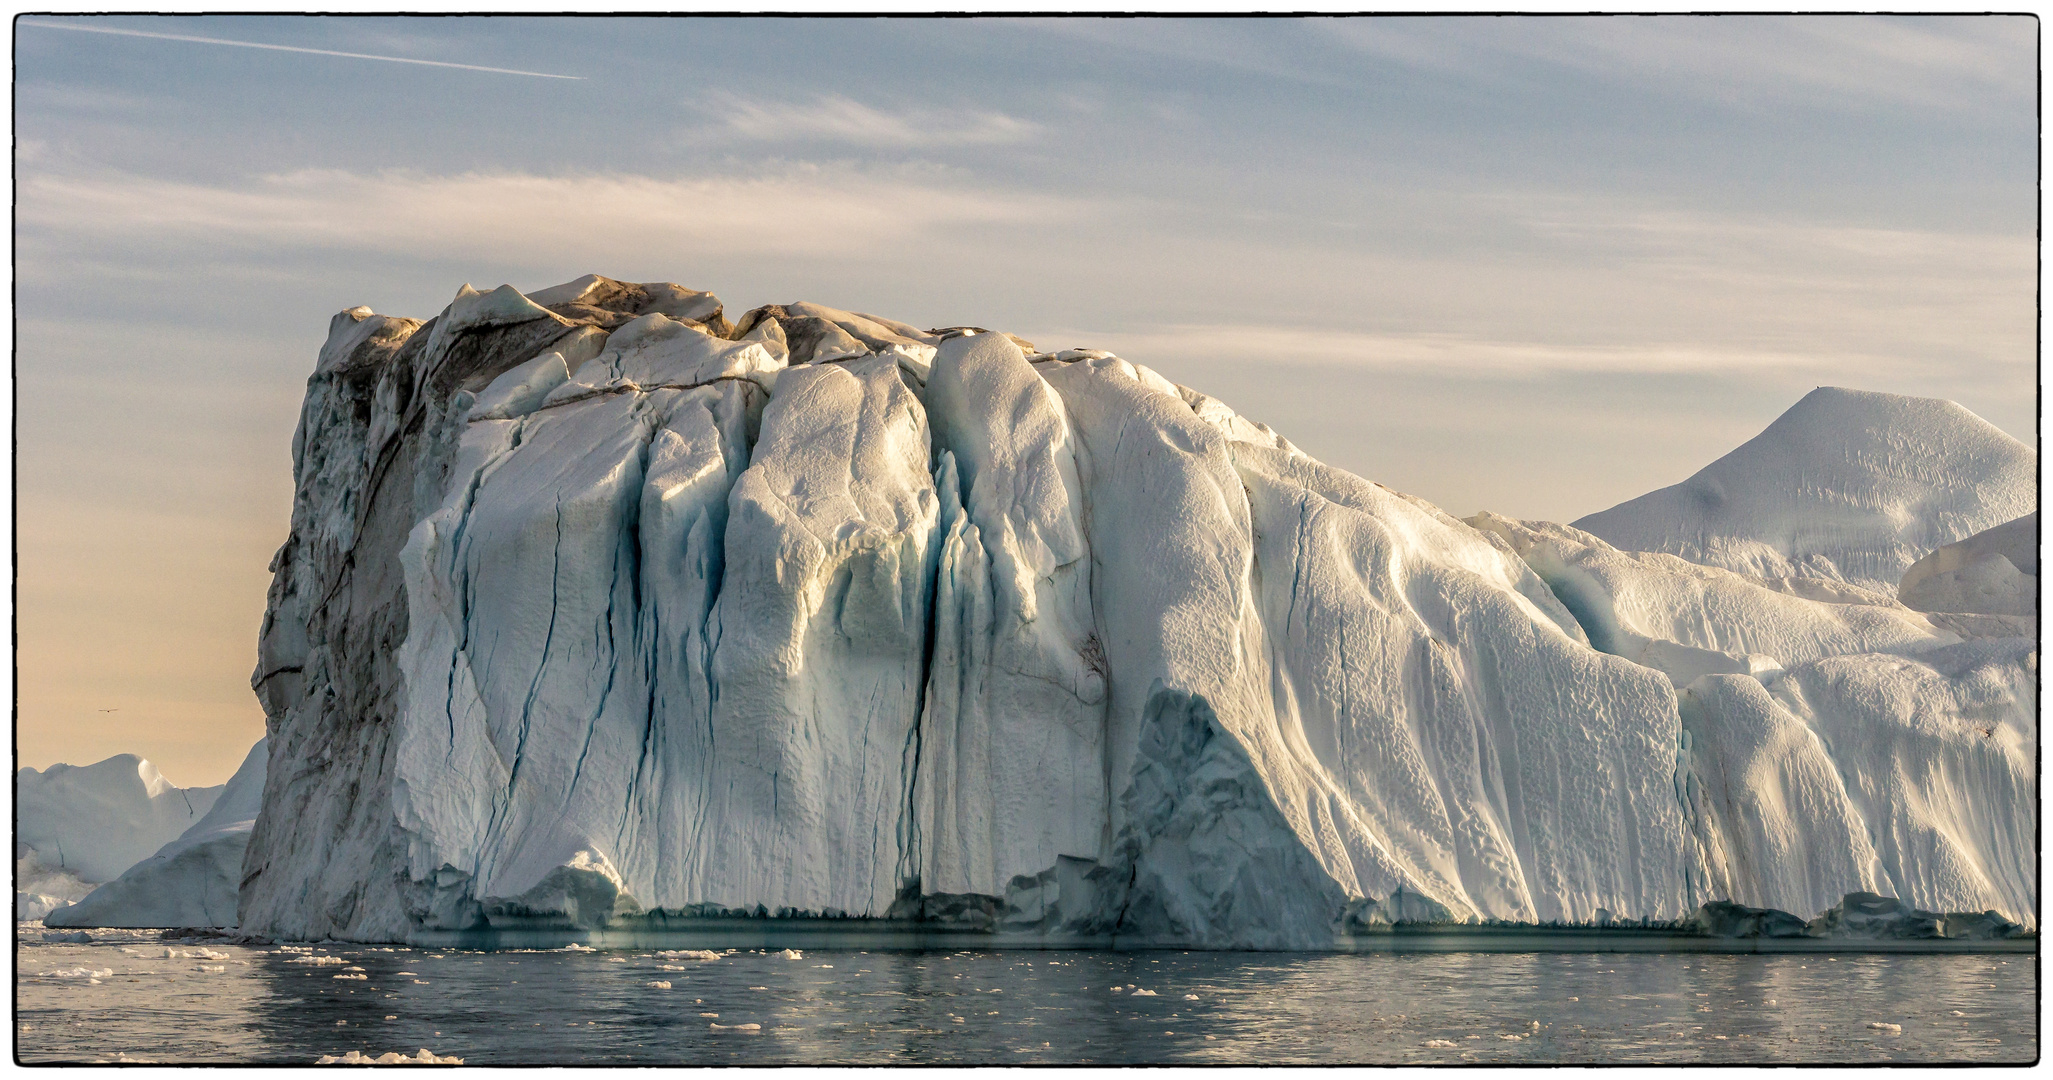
x=78, y=826
x=603, y=615
x=191, y=881
x=1848, y=485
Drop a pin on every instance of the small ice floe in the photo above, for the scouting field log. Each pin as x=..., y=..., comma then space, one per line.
x=86, y=973
x=575, y=947
x=710, y=1016
x=1190, y=997
x=688, y=954
x=759, y=988
x=214, y=968
x=1770, y=1001
x=358, y=1057
x=1886, y=1027
x=823, y=965
x=391, y=1018
x=206, y=954
x=1143, y=993
x=1957, y=1012
x=404, y=973
x=352, y=967
x=77, y=937
x=317, y=961
x=1511, y=1038
x=792, y=954
x=1440, y=1044
x=346, y=975
x=658, y=984
x=614, y=959
x=736, y=1027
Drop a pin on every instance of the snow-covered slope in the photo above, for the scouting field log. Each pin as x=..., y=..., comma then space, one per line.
x=1847, y=485
x=77, y=826
x=1993, y=572
x=191, y=881
x=600, y=611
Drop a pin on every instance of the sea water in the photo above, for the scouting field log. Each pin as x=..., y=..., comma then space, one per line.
x=130, y=996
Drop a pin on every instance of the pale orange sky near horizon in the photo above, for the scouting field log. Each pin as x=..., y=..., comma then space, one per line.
x=1532, y=266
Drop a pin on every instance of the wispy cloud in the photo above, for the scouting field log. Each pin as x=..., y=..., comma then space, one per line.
x=1457, y=355
x=1752, y=61
x=195, y=39
x=834, y=118
x=519, y=218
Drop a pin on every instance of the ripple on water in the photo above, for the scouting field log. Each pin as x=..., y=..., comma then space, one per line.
x=122, y=996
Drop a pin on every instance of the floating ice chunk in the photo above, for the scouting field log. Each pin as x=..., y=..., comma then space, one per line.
x=1143, y=993
x=214, y=968
x=1440, y=1044
x=1886, y=1027
x=736, y=1027
x=689, y=954
x=348, y=976
x=95, y=974
x=318, y=961
x=575, y=947
x=78, y=937
x=358, y=1057
x=793, y=954
x=1194, y=997
x=658, y=984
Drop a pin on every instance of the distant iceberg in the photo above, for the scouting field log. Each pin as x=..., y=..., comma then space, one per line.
x=191, y=881
x=1848, y=485
x=76, y=826
x=602, y=614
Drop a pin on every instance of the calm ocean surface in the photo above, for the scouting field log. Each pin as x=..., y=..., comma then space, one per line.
x=170, y=1002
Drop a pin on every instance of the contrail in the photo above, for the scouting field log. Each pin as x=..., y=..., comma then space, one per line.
x=294, y=48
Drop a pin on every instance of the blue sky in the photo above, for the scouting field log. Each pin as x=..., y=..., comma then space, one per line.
x=1536, y=266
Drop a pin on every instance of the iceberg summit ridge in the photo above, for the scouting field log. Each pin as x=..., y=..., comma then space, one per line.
x=602, y=615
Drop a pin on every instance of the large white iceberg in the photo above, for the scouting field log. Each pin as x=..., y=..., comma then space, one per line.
x=191, y=881
x=76, y=826
x=602, y=613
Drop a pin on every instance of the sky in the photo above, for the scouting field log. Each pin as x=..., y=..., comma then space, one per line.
x=1531, y=265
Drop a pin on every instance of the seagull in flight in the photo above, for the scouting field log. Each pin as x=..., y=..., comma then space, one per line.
x=110, y=710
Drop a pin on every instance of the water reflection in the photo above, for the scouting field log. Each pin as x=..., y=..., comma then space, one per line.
x=1078, y=1007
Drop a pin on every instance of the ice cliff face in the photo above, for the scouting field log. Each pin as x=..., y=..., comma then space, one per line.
x=600, y=610
x=1847, y=485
